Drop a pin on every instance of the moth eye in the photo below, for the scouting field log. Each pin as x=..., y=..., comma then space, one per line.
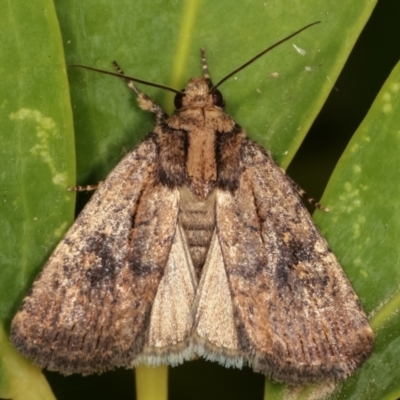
x=218, y=100
x=178, y=99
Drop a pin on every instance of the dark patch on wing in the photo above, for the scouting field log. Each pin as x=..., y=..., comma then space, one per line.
x=172, y=148
x=227, y=154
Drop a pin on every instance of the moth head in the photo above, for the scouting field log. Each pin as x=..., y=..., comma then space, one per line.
x=197, y=95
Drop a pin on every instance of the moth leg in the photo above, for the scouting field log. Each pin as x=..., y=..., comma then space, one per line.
x=304, y=195
x=144, y=101
x=86, y=188
x=130, y=84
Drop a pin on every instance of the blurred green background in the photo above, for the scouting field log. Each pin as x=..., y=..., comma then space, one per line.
x=370, y=63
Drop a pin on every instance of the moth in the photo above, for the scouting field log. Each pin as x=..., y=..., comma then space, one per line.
x=196, y=244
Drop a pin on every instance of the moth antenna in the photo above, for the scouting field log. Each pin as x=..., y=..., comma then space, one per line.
x=261, y=54
x=126, y=78
x=204, y=66
x=144, y=101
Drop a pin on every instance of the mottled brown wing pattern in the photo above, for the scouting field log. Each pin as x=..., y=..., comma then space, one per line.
x=89, y=310
x=286, y=284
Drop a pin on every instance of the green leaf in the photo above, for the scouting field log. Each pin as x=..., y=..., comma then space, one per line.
x=362, y=228
x=151, y=383
x=19, y=379
x=36, y=163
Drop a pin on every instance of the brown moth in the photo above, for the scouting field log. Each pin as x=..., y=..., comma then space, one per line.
x=196, y=244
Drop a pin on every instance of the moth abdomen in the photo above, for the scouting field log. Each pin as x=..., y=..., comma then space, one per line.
x=197, y=219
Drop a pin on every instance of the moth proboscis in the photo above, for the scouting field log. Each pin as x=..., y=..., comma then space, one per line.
x=196, y=244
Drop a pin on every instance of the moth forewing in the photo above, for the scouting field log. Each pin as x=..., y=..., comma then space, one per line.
x=297, y=316
x=88, y=311
x=196, y=244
